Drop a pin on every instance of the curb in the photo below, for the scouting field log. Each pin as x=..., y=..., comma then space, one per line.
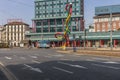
x=95, y=53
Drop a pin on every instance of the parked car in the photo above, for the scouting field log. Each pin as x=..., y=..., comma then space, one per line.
x=43, y=44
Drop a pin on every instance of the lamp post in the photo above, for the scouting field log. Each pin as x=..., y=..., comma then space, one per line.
x=111, y=45
x=84, y=35
x=84, y=38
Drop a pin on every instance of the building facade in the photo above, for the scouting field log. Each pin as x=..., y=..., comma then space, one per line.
x=1, y=29
x=98, y=35
x=102, y=18
x=50, y=15
x=14, y=32
x=106, y=18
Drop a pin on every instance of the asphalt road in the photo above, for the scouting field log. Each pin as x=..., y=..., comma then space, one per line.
x=2, y=76
x=48, y=64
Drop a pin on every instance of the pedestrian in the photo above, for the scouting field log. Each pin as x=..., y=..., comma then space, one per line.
x=74, y=46
x=29, y=44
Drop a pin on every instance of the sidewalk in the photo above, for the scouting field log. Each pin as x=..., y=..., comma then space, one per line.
x=100, y=52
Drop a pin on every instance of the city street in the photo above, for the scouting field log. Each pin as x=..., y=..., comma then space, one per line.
x=48, y=64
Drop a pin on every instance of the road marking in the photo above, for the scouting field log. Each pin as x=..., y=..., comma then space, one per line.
x=111, y=67
x=111, y=62
x=33, y=56
x=63, y=70
x=100, y=59
x=33, y=69
x=59, y=55
x=36, y=62
x=78, y=55
x=23, y=58
x=8, y=57
x=56, y=55
x=77, y=66
x=48, y=56
x=7, y=72
x=90, y=60
x=64, y=59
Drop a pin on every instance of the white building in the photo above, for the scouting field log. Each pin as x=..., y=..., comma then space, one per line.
x=1, y=28
x=15, y=32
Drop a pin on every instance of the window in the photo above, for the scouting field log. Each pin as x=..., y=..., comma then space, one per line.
x=103, y=30
x=52, y=29
x=54, y=2
x=77, y=13
x=37, y=8
x=98, y=26
x=119, y=24
x=108, y=25
x=114, y=25
x=36, y=3
x=59, y=29
x=114, y=29
x=77, y=4
x=45, y=29
x=103, y=25
x=98, y=30
x=117, y=18
x=43, y=7
x=57, y=1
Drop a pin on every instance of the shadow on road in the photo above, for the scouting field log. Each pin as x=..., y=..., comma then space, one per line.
x=65, y=70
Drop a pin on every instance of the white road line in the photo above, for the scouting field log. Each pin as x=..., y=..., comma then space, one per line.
x=78, y=55
x=77, y=66
x=8, y=57
x=111, y=67
x=7, y=72
x=63, y=70
x=56, y=55
x=23, y=58
x=59, y=55
x=90, y=60
x=100, y=59
x=48, y=56
x=33, y=56
x=36, y=62
x=64, y=59
x=111, y=62
x=33, y=69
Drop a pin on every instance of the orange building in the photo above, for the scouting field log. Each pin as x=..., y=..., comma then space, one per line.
x=102, y=18
x=102, y=23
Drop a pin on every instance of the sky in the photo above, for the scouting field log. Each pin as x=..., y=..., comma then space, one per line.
x=24, y=9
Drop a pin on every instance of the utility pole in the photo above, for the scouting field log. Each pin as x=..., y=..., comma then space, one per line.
x=111, y=45
x=84, y=35
x=84, y=38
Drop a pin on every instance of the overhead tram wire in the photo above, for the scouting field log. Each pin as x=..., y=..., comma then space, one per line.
x=20, y=3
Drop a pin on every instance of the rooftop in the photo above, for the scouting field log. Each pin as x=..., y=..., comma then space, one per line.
x=16, y=23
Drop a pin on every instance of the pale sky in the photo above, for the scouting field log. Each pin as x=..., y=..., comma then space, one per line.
x=24, y=9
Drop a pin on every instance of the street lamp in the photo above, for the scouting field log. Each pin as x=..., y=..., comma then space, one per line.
x=84, y=34
x=84, y=38
x=111, y=46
